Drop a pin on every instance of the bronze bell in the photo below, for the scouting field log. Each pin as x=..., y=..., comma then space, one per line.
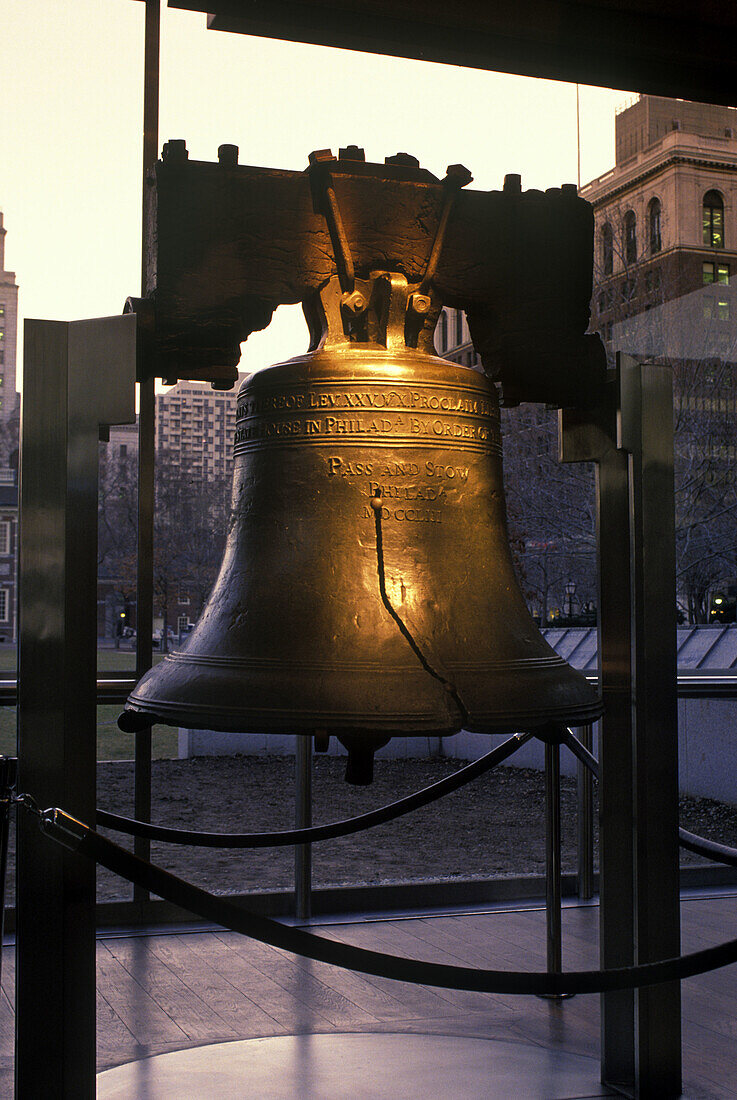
x=367, y=587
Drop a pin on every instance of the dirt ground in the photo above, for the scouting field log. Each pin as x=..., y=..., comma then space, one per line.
x=494, y=826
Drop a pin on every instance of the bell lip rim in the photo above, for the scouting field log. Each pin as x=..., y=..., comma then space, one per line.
x=501, y=723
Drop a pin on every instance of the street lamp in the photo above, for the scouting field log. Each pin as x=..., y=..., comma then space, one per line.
x=570, y=593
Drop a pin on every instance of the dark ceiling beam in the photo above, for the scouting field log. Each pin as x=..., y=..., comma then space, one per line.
x=685, y=48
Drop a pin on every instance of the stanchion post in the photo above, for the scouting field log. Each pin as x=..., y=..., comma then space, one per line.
x=303, y=820
x=585, y=821
x=76, y=376
x=553, y=896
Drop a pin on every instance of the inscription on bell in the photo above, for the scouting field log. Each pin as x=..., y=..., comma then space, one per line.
x=427, y=416
x=408, y=515
x=404, y=398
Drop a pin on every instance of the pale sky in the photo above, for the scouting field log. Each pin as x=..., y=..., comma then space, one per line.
x=71, y=121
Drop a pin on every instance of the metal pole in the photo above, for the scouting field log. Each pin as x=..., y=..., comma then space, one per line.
x=553, y=893
x=585, y=820
x=76, y=376
x=303, y=819
x=646, y=425
x=590, y=435
x=146, y=430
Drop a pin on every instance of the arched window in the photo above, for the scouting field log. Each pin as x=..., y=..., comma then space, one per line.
x=653, y=222
x=607, y=249
x=713, y=220
x=630, y=237
x=459, y=326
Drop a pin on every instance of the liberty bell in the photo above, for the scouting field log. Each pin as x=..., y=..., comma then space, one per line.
x=367, y=588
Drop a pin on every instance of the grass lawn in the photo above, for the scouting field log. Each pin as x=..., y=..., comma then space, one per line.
x=112, y=744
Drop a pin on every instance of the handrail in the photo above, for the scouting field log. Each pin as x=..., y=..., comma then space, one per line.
x=705, y=685
x=108, y=691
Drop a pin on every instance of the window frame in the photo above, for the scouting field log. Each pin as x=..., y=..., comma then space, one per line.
x=712, y=210
x=655, y=238
x=629, y=232
x=607, y=249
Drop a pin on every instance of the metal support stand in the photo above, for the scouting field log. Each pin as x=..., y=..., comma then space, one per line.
x=630, y=438
x=76, y=376
x=303, y=819
x=146, y=434
x=553, y=894
x=585, y=820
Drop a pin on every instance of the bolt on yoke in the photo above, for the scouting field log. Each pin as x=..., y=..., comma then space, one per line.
x=386, y=308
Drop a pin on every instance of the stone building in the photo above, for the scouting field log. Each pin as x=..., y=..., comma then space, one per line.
x=8, y=554
x=666, y=213
x=8, y=334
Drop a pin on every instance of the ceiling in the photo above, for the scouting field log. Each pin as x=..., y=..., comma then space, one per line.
x=684, y=48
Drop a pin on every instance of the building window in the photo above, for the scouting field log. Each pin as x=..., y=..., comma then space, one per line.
x=653, y=217
x=183, y=600
x=715, y=273
x=4, y=605
x=5, y=536
x=713, y=220
x=123, y=450
x=607, y=249
x=630, y=237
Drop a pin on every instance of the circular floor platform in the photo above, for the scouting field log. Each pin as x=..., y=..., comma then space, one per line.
x=364, y=1066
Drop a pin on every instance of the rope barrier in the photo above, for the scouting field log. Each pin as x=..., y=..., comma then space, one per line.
x=320, y=832
x=700, y=845
x=76, y=836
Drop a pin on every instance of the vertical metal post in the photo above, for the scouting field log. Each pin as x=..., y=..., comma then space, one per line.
x=303, y=819
x=591, y=436
x=630, y=436
x=146, y=430
x=585, y=821
x=553, y=898
x=646, y=424
x=76, y=376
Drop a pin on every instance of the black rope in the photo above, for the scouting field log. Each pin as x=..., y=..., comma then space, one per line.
x=319, y=832
x=376, y=504
x=700, y=845
x=710, y=849
x=221, y=911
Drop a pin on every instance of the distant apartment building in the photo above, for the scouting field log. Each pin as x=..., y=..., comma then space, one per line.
x=8, y=334
x=195, y=425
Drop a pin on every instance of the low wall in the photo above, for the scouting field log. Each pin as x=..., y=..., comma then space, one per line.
x=707, y=746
